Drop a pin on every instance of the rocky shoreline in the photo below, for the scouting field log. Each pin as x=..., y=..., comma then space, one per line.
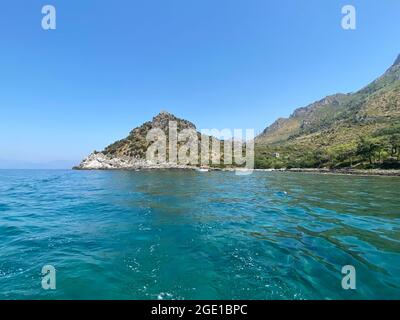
x=347, y=171
x=101, y=161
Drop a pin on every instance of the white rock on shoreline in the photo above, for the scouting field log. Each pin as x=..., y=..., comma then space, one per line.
x=101, y=161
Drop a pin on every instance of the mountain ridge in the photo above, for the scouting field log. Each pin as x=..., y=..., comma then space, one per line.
x=361, y=128
x=335, y=121
x=130, y=152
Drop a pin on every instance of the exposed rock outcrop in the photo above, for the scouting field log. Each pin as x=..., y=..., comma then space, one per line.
x=101, y=161
x=130, y=153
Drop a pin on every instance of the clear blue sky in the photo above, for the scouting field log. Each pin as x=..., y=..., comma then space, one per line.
x=112, y=65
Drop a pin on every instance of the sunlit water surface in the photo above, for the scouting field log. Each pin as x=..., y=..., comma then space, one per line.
x=190, y=235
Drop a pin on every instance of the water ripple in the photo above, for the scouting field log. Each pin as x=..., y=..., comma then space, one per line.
x=187, y=235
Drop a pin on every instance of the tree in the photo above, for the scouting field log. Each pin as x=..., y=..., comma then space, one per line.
x=367, y=147
x=348, y=154
x=343, y=153
x=394, y=142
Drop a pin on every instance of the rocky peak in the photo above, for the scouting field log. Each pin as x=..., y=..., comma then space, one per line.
x=332, y=100
x=394, y=68
x=397, y=62
x=135, y=144
x=390, y=76
x=275, y=126
x=130, y=152
x=163, y=118
x=163, y=115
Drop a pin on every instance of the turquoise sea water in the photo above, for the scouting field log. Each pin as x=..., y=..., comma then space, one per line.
x=175, y=235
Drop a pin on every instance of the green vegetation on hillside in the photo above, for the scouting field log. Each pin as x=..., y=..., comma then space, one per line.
x=359, y=130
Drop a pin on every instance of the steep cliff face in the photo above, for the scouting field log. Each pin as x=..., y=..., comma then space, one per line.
x=302, y=119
